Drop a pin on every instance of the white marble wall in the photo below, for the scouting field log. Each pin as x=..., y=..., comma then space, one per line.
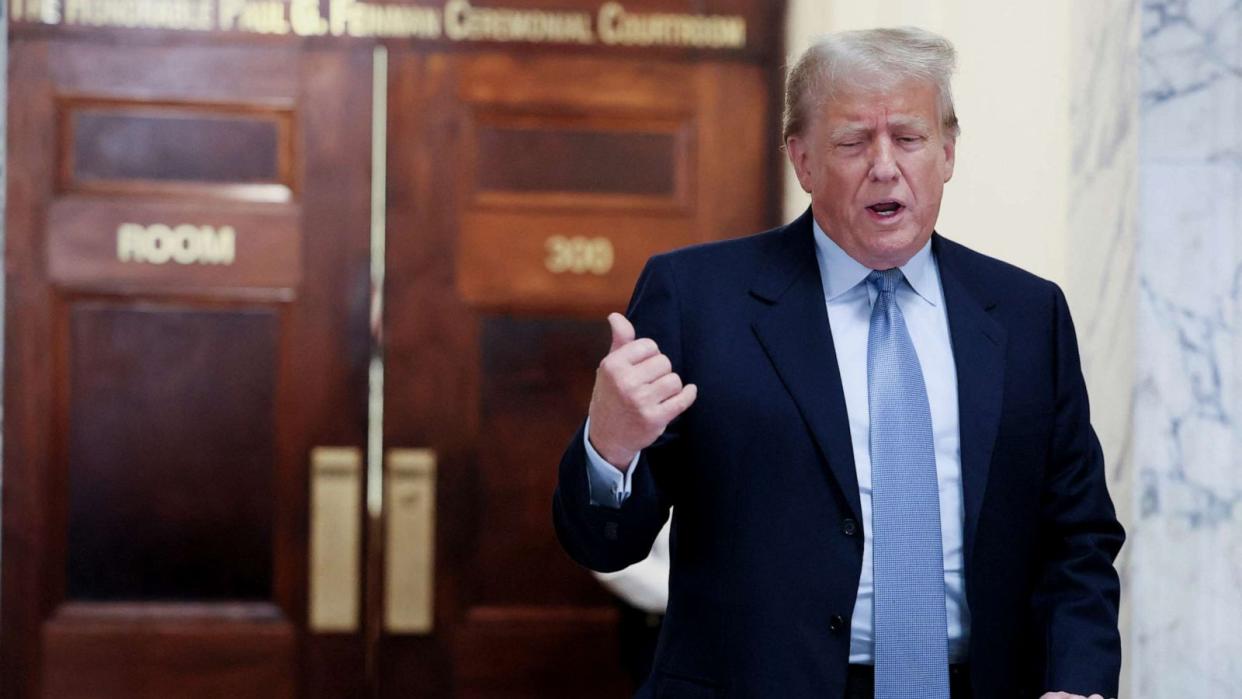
x=1102, y=231
x=1186, y=535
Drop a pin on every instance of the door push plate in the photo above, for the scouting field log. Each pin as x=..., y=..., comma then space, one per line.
x=410, y=506
x=335, y=539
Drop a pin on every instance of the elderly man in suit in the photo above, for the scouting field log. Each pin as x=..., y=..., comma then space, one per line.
x=877, y=441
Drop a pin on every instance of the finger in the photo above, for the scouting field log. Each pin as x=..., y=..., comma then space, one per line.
x=636, y=352
x=651, y=369
x=664, y=388
x=679, y=403
x=622, y=331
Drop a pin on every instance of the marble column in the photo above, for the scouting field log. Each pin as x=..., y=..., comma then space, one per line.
x=1186, y=534
x=1102, y=232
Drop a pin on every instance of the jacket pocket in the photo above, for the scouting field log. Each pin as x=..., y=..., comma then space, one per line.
x=677, y=687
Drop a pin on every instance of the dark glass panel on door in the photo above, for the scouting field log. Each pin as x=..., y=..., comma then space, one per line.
x=170, y=453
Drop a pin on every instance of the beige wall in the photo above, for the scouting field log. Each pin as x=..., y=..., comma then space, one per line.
x=1046, y=176
x=1008, y=196
x=1046, y=164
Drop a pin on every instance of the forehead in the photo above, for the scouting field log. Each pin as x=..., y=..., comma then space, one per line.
x=909, y=100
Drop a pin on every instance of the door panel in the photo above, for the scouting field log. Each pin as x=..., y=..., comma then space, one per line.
x=524, y=196
x=189, y=306
x=168, y=500
x=145, y=650
x=187, y=278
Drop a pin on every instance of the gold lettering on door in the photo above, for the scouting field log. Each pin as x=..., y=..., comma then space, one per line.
x=621, y=28
x=579, y=255
x=186, y=244
x=305, y=18
x=456, y=20
x=179, y=15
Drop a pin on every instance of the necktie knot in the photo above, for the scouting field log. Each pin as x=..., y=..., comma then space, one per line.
x=885, y=280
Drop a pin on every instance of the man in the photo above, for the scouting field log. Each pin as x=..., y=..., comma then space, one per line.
x=877, y=441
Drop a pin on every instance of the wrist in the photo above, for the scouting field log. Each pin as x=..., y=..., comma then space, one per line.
x=619, y=459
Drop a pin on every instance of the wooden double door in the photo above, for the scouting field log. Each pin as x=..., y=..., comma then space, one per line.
x=295, y=334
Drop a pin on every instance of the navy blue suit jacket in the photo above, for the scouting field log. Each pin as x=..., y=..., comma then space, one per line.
x=766, y=547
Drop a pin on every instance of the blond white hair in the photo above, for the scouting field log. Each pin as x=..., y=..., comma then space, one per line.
x=869, y=59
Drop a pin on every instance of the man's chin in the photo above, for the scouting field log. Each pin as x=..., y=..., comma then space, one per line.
x=892, y=248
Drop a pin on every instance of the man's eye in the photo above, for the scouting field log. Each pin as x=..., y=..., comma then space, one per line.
x=910, y=139
x=849, y=144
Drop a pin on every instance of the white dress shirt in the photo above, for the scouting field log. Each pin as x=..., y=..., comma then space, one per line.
x=644, y=585
x=849, y=299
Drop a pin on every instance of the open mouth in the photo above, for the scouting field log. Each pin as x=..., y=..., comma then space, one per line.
x=886, y=209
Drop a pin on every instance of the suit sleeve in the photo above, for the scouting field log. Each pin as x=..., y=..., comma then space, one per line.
x=604, y=538
x=1079, y=590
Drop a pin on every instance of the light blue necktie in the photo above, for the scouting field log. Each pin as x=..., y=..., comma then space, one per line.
x=911, y=630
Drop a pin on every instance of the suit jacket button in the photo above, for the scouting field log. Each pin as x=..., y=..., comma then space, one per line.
x=836, y=623
x=849, y=527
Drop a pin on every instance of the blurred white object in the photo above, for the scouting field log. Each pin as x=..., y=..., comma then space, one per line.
x=644, y=585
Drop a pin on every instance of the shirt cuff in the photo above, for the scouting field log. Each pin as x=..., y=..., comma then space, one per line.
x=609, y=486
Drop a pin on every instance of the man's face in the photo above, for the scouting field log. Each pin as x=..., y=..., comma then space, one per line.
x=875, y=164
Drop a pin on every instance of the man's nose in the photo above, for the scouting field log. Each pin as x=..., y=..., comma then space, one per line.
x=883, y=161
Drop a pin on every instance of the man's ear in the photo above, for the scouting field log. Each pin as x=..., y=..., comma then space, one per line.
x=950, y=152
x=796, y=151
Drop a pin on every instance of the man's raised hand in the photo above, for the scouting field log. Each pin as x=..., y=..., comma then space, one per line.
x=636, y=395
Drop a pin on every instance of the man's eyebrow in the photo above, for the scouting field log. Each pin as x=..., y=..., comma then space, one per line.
x=910, y=122
x=848, y=131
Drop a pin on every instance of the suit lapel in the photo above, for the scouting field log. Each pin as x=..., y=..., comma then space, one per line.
x=793, y=330
x=979, y=353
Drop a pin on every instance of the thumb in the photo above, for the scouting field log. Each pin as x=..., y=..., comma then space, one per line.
x=622, y=331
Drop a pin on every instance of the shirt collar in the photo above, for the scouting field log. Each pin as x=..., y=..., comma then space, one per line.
x=840, y=272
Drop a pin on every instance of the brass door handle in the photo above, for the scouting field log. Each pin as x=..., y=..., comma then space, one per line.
x=409, y=537
x=335, y=540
